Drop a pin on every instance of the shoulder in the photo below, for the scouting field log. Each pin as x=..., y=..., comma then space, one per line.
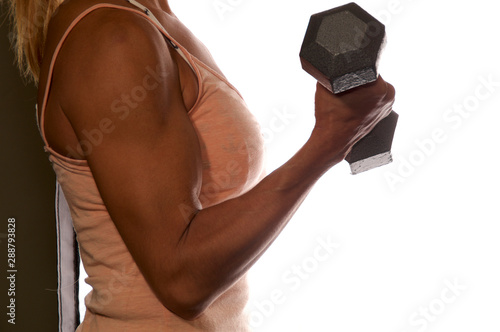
x=97, y=24
x=109, y=51
x=90, y=26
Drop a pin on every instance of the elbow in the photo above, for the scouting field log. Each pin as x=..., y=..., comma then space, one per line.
x=185, y=292
x=188, y=315
x=186, y=311
x=186, y=302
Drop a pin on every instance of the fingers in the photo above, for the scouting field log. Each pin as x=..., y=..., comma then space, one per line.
x=390, y=91
x=378, y=95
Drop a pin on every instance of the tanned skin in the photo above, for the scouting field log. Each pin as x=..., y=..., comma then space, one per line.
x=143, y=185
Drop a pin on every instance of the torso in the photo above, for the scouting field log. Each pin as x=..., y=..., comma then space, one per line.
x=59, y=132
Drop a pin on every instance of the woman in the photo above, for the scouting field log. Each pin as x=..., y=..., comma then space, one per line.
x=161, y=162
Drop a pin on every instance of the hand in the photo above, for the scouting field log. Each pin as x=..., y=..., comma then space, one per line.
x=345, y=118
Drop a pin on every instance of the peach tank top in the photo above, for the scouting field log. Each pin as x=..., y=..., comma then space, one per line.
x=232, y=156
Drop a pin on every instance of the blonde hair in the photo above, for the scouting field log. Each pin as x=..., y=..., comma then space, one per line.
x=30, y=21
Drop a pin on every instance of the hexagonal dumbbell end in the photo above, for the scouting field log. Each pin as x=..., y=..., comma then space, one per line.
x=342, y=46
x=341, y=49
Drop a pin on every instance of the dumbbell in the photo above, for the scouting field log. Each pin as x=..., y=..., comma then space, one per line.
x=341, y=49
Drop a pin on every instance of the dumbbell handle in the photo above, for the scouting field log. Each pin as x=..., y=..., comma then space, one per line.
x=374, y=149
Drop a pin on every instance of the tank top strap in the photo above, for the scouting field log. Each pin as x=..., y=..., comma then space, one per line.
x=182, y=51
x=143, y=11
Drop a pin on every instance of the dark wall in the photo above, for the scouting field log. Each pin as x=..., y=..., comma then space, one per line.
x=27, y=189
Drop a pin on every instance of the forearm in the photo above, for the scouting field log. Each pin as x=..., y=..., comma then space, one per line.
x=224, y=240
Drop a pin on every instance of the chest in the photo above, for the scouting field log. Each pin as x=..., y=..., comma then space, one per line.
x=230, y=140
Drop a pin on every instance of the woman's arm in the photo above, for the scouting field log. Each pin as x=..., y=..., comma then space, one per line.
x=148, y=166
x=234, y=234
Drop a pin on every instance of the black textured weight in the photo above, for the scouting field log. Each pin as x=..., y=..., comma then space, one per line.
x=342, y=47
x=377, y=142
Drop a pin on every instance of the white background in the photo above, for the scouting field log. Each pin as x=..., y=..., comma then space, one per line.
x=406, y=232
